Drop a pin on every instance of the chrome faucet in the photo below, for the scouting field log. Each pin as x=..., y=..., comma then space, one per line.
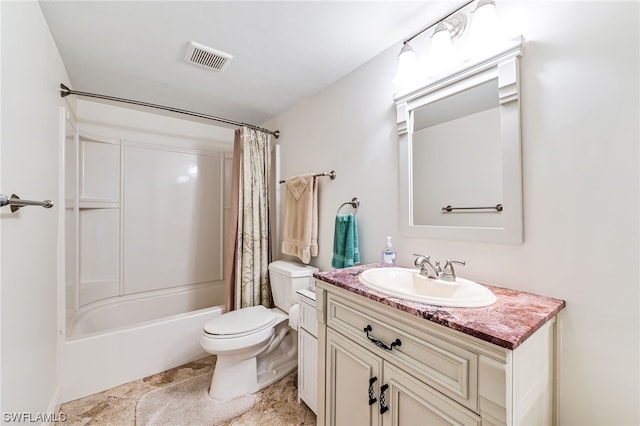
x=428, y=270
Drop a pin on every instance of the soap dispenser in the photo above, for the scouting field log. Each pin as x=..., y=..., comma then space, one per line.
x=388, y=254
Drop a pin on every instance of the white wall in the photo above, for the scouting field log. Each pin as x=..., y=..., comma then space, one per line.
x=31, y=73
x=580, y=170
x=143, y=125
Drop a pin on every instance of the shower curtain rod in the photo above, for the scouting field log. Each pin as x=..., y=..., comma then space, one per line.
x=65, y=91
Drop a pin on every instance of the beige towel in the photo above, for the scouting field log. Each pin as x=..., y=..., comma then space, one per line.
x=300, y=233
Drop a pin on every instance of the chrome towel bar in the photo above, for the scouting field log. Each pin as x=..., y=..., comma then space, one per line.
x=331, y=174
x=497, y=207
x=16, y=203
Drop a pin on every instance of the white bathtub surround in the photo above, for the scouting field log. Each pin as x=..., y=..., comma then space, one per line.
x=147, y=198
x=140, y=217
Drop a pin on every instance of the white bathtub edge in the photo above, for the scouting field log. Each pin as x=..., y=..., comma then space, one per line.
x=97, y=363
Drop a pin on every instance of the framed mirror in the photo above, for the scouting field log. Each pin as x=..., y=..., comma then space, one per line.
x=459, y=150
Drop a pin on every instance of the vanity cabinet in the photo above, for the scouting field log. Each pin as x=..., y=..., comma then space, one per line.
x=379, y=365
x=307, y=349
x=366, y=389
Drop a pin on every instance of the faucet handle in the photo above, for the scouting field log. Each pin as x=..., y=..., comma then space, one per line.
x=420, y=258
x=448, y=264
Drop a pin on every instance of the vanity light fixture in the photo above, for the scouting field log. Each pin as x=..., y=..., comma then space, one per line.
x=443, y=54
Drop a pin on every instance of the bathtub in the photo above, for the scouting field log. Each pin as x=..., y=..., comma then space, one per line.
x=115, y=342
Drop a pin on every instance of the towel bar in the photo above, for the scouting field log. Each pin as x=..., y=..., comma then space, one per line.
x=497, y=207
x=355, y=203
x=331, y=174
x=15, y=202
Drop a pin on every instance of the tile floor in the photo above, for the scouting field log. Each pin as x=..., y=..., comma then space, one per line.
x=276, y=405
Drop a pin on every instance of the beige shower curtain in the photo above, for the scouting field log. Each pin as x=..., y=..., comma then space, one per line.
x=249, y=243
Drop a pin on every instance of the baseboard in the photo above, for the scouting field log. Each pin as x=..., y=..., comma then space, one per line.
x=54, y=407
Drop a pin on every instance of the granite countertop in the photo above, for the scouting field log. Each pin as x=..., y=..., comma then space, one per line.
x=507, y=323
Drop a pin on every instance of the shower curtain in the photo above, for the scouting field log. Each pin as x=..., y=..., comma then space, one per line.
x=249, y=241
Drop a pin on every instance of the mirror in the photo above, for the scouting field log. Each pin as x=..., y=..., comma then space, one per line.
x=460, y=161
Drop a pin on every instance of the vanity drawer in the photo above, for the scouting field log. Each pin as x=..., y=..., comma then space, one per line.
x=446, y=367
x=308, y=319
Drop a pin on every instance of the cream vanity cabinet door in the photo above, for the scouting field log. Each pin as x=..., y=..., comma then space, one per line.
x=350, y=372
x=411, y=402
x=364, y=389
x=307, y=359
x=307, y=351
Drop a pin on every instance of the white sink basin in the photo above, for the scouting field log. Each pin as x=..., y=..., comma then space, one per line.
x=408, y=284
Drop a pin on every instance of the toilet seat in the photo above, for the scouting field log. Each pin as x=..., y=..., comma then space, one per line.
x=239, y=323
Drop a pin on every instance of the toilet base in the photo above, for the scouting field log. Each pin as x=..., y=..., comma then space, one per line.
x=234, y=376
x=277, y=364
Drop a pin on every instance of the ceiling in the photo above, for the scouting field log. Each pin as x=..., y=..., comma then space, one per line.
x=283, y=51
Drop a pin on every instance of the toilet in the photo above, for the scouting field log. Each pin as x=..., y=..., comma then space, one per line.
x=256, y=346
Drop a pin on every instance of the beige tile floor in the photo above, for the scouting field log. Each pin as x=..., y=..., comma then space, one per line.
x=276, y=405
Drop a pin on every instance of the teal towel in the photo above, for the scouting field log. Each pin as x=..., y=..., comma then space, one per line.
x=345, y=242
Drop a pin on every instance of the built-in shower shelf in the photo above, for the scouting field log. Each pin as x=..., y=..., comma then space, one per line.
x=98, y=204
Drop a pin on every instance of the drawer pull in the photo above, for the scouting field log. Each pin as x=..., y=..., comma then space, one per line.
x=383, y=406
x=372, y=400
x=379, y=343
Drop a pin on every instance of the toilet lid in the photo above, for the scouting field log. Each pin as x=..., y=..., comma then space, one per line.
x=241, y=321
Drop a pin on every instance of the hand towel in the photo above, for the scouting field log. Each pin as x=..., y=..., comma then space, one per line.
x=300, y=229
x=345, y=241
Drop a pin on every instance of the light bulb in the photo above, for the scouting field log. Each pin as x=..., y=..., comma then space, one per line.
x=406, y=74
x=442, y=55
x=441, y=44
x=484, y=26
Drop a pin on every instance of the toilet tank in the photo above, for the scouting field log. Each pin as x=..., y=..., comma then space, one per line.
x=286, y=278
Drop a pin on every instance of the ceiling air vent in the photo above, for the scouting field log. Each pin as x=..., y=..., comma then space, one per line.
x=207, y=57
